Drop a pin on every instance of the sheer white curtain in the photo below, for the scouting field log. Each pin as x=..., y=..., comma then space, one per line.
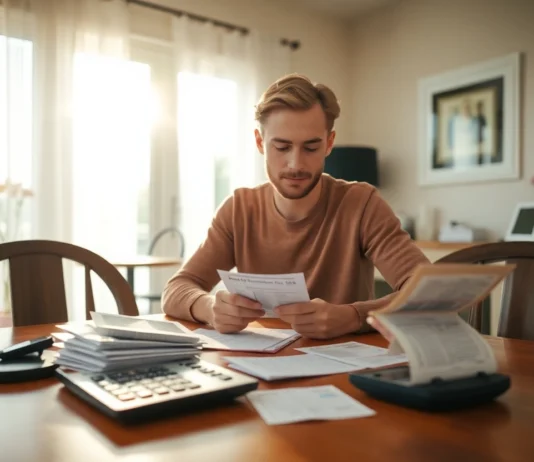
x=215, y=93
x=271, y=60
x=15, y=127
x=75, y=124
x=220, y=76
x=15, y=119
x=81, y=180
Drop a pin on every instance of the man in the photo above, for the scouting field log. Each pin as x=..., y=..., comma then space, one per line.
x=301, y=220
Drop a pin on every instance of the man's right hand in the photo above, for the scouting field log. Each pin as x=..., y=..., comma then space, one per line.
x=232, y=313
x=383, y=330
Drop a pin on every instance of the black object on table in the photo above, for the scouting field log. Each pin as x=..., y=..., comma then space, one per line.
x=391, y=385
x=27, y=361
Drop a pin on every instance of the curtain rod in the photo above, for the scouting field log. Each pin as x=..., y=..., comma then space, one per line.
x=293, y=44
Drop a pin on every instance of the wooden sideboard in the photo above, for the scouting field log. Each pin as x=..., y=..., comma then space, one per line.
x=434, y=250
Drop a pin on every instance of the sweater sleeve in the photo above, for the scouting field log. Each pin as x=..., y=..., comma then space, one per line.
x=199, y=274
x=389, y=248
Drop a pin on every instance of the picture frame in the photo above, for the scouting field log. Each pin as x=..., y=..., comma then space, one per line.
x=521, y=226
x=469, y=123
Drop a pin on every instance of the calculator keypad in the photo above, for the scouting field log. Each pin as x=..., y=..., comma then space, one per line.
x=153, y=381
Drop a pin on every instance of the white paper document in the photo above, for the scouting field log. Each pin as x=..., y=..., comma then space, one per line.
x=423, y=318
x=271, y=290
x=357, y=354
x=256, y=339
x=285, y=367
x=440, y=345
x=446, y=287
x=290, y=405
x=132, y=327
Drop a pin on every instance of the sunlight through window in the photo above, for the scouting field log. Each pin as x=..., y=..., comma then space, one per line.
x=16, y=110
x=114, y=110
x=207, y=143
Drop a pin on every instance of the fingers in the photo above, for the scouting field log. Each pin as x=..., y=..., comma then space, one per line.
x=237, y=312
x=299, y=319
x=238, y=300
x=232, y=313
x=237, y=306
x=229, y=324
x=386, y=333
x=295, y=309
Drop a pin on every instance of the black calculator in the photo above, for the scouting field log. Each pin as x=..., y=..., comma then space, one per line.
x=143, y=393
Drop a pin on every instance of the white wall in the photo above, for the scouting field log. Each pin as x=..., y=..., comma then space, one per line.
x=324, y=55
x=395, y=46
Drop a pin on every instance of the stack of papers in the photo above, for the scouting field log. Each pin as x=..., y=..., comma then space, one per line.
x=252, y=339
x=93, y=347
x=287, y=367
x=290, y=405
x=112, y=341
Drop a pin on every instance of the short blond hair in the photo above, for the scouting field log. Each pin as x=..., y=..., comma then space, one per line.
x=298, y=92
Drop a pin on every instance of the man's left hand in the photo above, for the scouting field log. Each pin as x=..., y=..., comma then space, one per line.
x=320, y=320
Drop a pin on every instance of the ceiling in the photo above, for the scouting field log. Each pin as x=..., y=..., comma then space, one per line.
x=341, y=9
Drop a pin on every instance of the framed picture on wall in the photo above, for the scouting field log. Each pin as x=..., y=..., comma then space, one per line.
x=469, y=123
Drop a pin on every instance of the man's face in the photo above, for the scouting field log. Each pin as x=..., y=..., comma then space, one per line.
x=295, y=145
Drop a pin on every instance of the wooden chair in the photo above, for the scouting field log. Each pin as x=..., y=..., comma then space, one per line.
x=517, y=311
x=37, y=283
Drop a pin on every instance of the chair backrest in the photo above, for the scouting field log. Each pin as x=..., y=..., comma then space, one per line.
x=517, y=311
x=173, y=231
x=38, y=287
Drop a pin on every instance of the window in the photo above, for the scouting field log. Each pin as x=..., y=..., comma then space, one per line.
x=111, y=157
x=16, y=110
x=207, y=144
x=15, y=141
x=15, y=130
x=113, y=114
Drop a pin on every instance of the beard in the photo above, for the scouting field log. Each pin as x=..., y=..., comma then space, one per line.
x=291, y=192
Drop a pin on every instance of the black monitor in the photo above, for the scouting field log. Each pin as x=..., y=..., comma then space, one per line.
x=353, y=163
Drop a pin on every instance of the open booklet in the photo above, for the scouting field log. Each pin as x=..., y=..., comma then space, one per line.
x=424, y=320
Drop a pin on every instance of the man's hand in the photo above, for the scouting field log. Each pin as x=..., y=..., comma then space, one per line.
x=232, y=313
x=319, y=319
x=373, y=322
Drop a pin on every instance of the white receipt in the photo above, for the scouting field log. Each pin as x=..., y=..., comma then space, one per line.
x=271, y=290
x=290, y=405
x=357, y=354
x=250, y=339
x=284, y=367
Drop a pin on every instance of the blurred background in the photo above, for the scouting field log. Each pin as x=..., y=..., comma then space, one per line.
x=120, y=119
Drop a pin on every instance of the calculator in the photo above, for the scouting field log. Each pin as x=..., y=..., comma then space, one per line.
x=143, y=393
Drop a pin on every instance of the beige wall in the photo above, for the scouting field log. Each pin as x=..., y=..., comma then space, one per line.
x=325, y=52
x=395, y=46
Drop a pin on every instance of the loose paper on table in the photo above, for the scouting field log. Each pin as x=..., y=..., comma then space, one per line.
x=285, y=367
x=290, y=405
x=357, y=354
x=256, y=339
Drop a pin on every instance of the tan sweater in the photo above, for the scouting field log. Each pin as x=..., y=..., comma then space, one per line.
x=350, y=229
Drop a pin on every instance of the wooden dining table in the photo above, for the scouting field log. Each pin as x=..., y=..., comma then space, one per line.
x=43, y=421
x=143, y=261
